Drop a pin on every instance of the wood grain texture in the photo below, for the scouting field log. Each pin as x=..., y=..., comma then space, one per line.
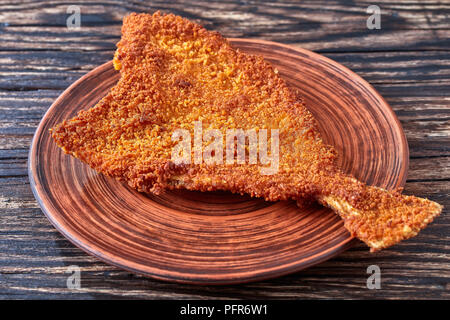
x=219, y=238
x=406, y=61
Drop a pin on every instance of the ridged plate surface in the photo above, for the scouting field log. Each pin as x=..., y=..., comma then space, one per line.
x=218, y=237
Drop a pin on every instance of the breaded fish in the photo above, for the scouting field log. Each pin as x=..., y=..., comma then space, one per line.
x=176, y=75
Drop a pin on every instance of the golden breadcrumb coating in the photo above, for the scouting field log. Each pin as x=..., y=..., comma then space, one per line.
x=173, y=73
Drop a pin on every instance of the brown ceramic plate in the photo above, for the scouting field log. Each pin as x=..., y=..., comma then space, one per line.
x=218, y=238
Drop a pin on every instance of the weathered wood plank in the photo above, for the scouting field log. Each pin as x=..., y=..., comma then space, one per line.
x=317, y=25
x=36, y=260
x=14, y=163
x=26, y=70
x=412, y=101
x=425, y=138
x=419, y=169
x=342, y=15
x=105, y=37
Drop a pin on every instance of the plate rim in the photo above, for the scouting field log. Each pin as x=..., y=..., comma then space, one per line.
x=296, y=267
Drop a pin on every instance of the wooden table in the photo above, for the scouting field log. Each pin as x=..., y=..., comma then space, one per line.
x=407, y=61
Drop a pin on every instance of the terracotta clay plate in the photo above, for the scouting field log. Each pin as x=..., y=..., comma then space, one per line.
x=218, y=238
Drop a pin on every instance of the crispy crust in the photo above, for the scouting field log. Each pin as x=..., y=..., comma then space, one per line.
x=376, y=216
x=173, y=73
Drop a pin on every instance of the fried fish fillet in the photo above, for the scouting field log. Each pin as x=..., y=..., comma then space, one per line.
x=174, y=73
